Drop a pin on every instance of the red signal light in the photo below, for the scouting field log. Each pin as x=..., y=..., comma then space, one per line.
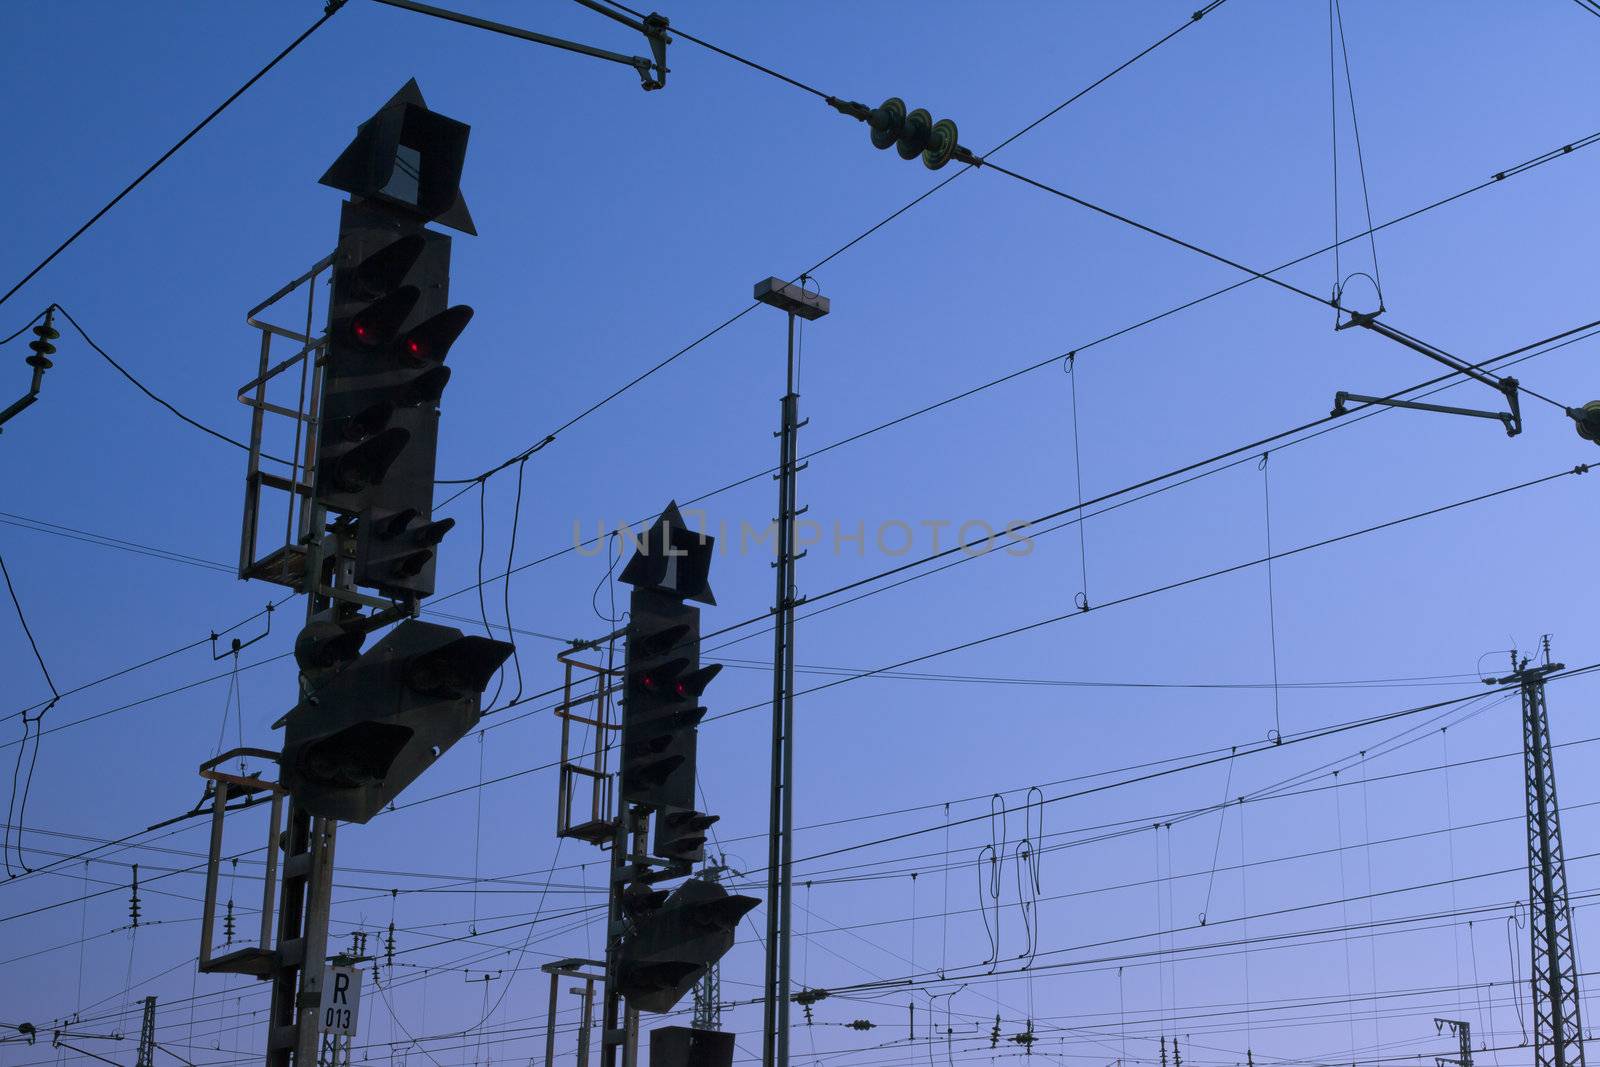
x=378, y=324
x=430, y=341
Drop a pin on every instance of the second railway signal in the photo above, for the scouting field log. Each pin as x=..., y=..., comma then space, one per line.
x=664, y=678
x=661, y=701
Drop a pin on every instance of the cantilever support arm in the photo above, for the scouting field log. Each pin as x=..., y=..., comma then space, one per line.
x=1455, y=363
x=27, y=398
x=1506, y=386
x=652, y=72
x=58, y=1043
x=1512, y=424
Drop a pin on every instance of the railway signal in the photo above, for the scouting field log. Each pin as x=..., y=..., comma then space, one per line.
x=671, y=949
x=392, y=329
x=368, y=729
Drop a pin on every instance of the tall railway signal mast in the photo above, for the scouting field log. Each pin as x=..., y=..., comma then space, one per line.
x=359, y=540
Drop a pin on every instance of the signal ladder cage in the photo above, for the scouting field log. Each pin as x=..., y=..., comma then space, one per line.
x=257, y=959
x=589, y=701
x=285, y=563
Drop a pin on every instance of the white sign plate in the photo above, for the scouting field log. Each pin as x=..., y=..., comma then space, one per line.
x=341, y=1001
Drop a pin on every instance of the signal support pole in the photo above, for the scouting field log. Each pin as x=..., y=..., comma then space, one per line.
x=306, y=896
x=619, y=1026
x=358, y=515
x=1553, y=974
x=795, y=301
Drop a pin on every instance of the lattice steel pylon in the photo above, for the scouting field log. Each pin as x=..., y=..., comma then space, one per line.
x=1553, y=974
x=147, y=1035
x=708, y=991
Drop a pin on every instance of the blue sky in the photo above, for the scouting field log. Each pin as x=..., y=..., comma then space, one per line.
x=618, y=226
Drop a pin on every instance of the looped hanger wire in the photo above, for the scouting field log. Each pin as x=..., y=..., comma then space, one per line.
x=998, y=830
x=1339, y=47
x=1069, y=365
x=989, y=888
x=996, y=851
x=1216, y=848
x=1516, y=920
x=1027, y=899
x=1028, y=860
x=949, y=1028
x=1338, y=294
x=1275, y=734
x=34, y=726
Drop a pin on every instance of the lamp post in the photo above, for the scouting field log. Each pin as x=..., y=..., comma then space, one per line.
x=796, y=302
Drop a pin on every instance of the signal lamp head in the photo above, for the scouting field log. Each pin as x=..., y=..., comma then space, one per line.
x=695, y=682
x=657, y=772
x=411, y=564
x=662, y=641
x=368, y=421
x=720, y=914
x=684, y=718
x=425, y=390
x=323, y=645
x=430, y=341
x=359, y=755
x=689, y=820
x=660, y=677
x=368, y=462
x=377, y=324
x=396, y=524
x=432, y=533
x=461, y=668
x=387, y=267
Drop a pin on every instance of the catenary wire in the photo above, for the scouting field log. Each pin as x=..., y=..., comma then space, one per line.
x=826, y=259
x=1520, y=168
x=328, y=12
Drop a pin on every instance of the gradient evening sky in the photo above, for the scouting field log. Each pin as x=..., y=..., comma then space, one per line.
x=617, y=226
